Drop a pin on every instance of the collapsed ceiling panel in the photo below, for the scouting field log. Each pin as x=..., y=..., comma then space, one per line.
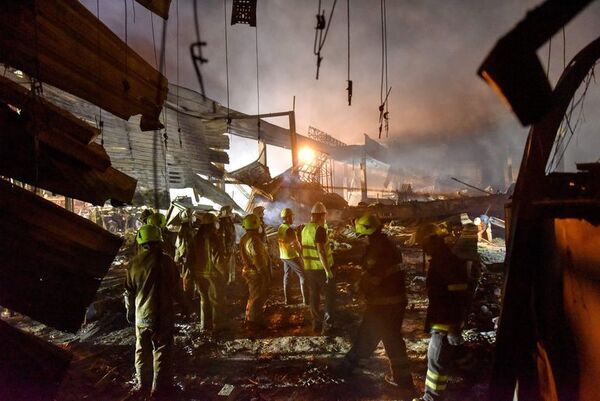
x=62, y=43
x=254, y=174
x=62, y=272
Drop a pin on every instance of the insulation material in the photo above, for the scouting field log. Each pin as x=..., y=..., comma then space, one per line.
x=53, y=259
x=62, y=43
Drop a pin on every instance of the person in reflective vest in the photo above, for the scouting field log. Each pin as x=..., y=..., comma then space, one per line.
x=289, y=253
x=256, y=271
x=383, y=285
x=318, y=268
x=227, y=238
x=150, y=288
x=448, y=293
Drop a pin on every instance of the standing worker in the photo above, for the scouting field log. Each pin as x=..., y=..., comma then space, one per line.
x=289, y=253
x=227, y=237
x=150, y=288
x=259, y=211
x=185, y=254
x=256, y=271
x=206, y=275
x=318, y=267
x=448, y=293
x=382, y=283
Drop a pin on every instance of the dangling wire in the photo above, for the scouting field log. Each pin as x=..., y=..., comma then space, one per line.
x=227, y=63
x=321, y=36
x=257, y=87
x=177, y=63
x=349, y=81
x=196, y=51
x=384, y=91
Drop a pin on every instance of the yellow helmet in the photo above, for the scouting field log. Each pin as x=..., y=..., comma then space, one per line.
x=318, y=208
x=286, y=212
x=157, y=219
x=148, y=233
x=251, y=222
x=425, y=231
x=367, y=224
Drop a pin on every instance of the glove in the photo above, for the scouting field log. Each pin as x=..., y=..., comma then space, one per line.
x=329, y=274
x=129, y=307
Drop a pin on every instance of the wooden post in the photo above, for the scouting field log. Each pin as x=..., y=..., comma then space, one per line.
x=363, y=167
x=293, y=140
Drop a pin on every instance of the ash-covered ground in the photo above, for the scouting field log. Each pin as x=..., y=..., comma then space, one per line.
x=287, y=361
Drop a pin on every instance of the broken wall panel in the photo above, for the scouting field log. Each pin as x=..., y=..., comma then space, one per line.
x=53, y=259
x=30, y=368
x=62, y=43
x=158, y=7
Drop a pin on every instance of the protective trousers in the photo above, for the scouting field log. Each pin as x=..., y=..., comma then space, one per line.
x=383, y=323
x=258, y=291
x=295, y=266
x=211, y=303
x=317, y=283
x=439, y=357
x=153, y=358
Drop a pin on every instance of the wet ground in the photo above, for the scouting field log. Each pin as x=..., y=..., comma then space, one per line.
x=287, y=361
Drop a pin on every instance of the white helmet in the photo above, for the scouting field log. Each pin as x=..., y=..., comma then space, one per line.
x=318, y=208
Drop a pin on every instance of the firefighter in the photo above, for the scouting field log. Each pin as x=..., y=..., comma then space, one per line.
x=185, y=254
x=150, y=288
x=448, y=293
x=227, y=238
x=145, y=214
x=256, y=271
x=318, y=268
x=259, y=211
x=383, y=285
x=206, y=274
x=289, y=253
x=159, y=220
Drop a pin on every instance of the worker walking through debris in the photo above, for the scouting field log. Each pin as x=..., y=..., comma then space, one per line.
x=448, y=293
x=289, y=253
x=383, y=284
x=185, y=254
x=318, y=267
x=150, y=288
x=256, y=271
x=206, y=275
x=227, y=238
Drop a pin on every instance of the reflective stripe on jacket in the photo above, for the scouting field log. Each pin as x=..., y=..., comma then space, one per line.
x=310, y=253
x=285, y=250
x=253, y=253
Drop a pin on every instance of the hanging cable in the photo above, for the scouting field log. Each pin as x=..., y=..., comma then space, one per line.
x=100, y=123
x=257, y=87
x=349, y=81
x=321, y=31
x=384, y=90
x=177, y=73
x=227, y=63
x=196, y=51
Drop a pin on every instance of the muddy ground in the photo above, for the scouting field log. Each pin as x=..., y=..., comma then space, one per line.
x=285, y=362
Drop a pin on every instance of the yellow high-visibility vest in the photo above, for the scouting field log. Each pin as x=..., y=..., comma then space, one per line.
x=310, y=254
x=285, y=250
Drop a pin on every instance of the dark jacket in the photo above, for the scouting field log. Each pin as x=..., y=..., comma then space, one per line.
x=447, y=289
x=382, y=281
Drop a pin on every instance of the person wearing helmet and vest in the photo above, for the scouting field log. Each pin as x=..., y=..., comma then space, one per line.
x=383, y=286
x=206, y=274
x=159, y=220
x=318, y=268
x=289, y=253
x=227, y=238
x=259, y=211
x=150, y=288
x=256, y=271
x=448, y=293
x=185, y=254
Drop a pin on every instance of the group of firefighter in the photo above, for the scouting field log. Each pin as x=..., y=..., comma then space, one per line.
x=204, y=262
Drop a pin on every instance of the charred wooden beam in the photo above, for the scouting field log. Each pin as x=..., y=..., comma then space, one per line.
x=159, y=7
x=62, y=43
x=53, y=259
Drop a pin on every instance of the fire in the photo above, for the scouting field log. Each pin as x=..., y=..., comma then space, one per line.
x=306, y=155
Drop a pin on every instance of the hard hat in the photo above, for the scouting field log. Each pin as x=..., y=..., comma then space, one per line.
x=286, y=212
x=318, y=208
x=157, y=219
x=251, y=222
x=477, y=221
x=148, y=233
x=426, y=231
x=367, y=224
x=258, y=210
x=145, y=214
x=206, y=218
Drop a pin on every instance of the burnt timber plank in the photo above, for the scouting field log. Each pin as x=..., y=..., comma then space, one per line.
x=61, y=43
x=54, y=260
x=158, y=7
x=30, y=368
